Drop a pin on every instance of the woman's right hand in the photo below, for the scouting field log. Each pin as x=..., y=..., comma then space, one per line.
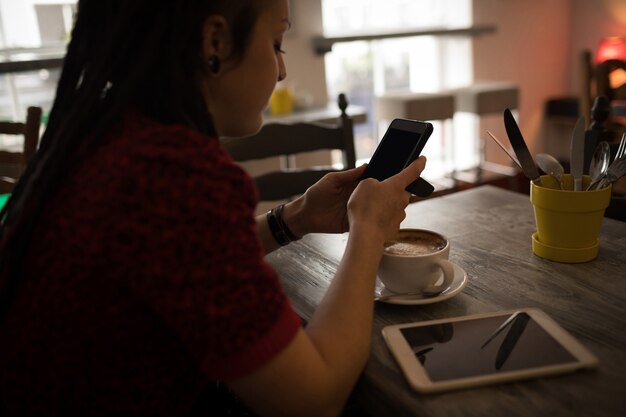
x=315, y=373
x=379, y=206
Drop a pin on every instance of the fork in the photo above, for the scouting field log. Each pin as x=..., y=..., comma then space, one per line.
x=615, y=171
x=622, y=147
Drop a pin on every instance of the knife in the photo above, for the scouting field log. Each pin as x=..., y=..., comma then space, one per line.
x=577, y=154
x=520, y=148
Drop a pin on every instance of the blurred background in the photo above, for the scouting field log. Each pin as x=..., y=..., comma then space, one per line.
x=523, y=54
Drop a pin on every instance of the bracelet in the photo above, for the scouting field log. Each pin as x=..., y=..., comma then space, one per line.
x=278, y=227
x=279, y=216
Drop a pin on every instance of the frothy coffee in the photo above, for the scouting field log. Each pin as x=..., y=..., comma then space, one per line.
x=414, y=243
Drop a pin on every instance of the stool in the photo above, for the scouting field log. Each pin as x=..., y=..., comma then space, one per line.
x=417, y=106
x=483, y=98
x=420, y=106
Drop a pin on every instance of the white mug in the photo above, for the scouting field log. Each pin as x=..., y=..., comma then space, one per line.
x=415, y=261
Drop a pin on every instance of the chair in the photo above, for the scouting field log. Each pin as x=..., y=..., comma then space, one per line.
x=30, y=131
x=287, y=140
x=604, y=118
x=596, y=81
x=484, y=98
x=603, y=79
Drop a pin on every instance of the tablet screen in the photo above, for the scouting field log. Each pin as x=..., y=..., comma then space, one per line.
x=484, y=346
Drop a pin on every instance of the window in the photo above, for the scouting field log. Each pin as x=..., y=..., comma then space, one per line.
x=364, y=69
x=31, y=29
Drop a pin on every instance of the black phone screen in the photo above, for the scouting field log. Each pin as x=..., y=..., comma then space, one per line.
x=464, y=348
x=387, y=160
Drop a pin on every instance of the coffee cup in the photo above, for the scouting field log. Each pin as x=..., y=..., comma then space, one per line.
x=416, y=260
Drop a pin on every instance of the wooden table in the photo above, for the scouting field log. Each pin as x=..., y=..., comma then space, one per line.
x=490, y=230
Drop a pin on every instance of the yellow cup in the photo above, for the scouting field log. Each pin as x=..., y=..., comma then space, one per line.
x=281, y=101
x=568, y=222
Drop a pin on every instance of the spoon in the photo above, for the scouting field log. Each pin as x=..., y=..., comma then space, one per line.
x=616, y=170
x=424, y=293
x=599, y=164
x=550, y=166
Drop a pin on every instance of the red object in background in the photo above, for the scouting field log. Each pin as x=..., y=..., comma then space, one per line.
x=612, y=47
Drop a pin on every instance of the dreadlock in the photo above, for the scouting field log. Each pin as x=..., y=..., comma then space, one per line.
x=123, y=54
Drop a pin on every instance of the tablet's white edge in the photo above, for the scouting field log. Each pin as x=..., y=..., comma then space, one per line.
x=418, y=379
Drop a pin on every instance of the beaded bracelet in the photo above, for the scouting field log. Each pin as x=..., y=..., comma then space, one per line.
x=278, y=227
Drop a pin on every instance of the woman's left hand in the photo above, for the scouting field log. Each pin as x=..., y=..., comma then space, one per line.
x=322, y=208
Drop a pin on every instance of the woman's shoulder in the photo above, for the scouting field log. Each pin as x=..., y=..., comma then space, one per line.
x=143, y=157
x=177, y=147
x=141, y=136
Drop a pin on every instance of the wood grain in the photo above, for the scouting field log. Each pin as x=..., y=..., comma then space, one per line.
x=490, y=232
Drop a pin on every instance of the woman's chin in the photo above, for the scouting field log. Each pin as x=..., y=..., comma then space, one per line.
x=244, y=129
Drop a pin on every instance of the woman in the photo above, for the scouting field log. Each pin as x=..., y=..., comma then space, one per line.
x=132, y=271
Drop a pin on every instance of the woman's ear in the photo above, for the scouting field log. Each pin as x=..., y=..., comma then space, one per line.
x=216, y=38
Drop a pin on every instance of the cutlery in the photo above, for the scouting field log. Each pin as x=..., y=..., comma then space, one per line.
x=513, y=158
x=617, y=168
x=551, y=166
x=600, y=112
x=521, y=150
x=616, y=171
x=424, y=293
x=577, y=153
x=622, y=147
x=599, y=164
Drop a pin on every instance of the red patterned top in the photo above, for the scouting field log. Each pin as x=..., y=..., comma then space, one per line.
x=145, y=284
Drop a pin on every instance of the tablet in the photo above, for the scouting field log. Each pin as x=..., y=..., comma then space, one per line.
x=470, y=351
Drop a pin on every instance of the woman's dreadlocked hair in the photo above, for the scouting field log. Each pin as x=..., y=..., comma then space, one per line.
x=123, y=54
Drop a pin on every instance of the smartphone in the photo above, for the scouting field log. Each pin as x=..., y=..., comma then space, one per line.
x=402, y=144
x=481, y=349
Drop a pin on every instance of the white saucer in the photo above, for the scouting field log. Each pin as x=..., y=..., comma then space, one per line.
x=458, y=283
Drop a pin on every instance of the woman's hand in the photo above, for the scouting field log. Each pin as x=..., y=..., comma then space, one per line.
x=379, y=206
x=324, y=206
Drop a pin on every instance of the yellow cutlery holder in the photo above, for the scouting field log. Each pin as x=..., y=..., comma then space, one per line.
x=568, y=222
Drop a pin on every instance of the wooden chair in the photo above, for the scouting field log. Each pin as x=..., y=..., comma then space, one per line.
x=287, y=140
x=599, y=101
x=595, y=82
x=30, y=131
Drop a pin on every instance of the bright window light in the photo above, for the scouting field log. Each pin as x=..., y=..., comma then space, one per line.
x=363, y=69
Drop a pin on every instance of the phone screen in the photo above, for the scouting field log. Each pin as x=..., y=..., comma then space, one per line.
x=388, y=159
x=463, y=349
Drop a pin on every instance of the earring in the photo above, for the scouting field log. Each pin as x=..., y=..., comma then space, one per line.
x=214, y=64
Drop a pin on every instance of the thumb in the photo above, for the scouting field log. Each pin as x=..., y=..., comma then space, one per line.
x=411, y=172
x=350, y=175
